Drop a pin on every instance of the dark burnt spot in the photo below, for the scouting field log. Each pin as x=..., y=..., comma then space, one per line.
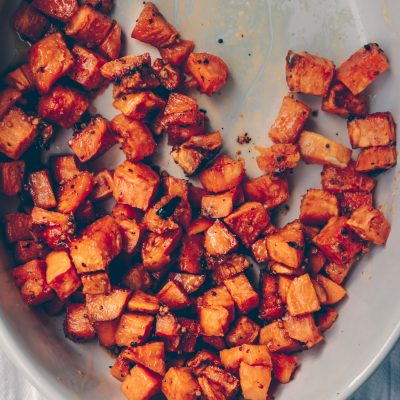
x=168, y=209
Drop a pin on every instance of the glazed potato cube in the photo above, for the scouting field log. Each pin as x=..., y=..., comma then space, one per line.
x=106, y=332
x=141, y=384
x=376, y=159
x=110, y=47
x=303, y=329
x=189, y=282
x=251, y=354
x=180, y=110
x=291, y=118
x=63, y=106
x=49, y=60
x=179, y=134
x=133, y=328
x=340, y=101
x=174, y=296
x=301, y=297
x=287, y=245
x=30, y=279
x=176, y=187
x=85, y=214
x=325, y=318
x=11, y=177
x=134, y=136
x=372, y=130
x=201, y=360
x=137, y=278
x=208, y=71
x=245, y=331
x=179, y=384
x=317, y=149
x=77, y=326
x=219, y=240
x=338, y=272
x=222, y=175
x=96, y=283
x=349, y=202
x=102, y=186
x=271, y=305
x=152, y=28
x=308, y=73
x=61, y=275
x=191, y=254
x=254, y=381
x=64, y=168
x=144, y=303
x=176, y=54
x=20, y=79
x=362, y=68
x=122, y=366
x=227, y=266
x=8, y=97
x=339, y=180
x=28, y=250
x=370, y=224
x=61, y=10
x=337, y=242
x=228, y=383
x=99, y=244
x=334, y=292
x=209, y=389
x=107, y=307
x=221, y=205
x=150, y=355
x=157, y=249
x=316, y=259
x=105, y=6
x=166, y=325
x=86, y=69
x=41, y=190
x=135, y=185
x=131, y=233
x=268, y=190
x=17, y=133
x=199, y=225
x=88, y=26
x=283, y=367
x=216, y=342
x=260, y=251
x=169, y=77
x=248, y=221
x=277, y=339
x=190, y=331
x=245, y=297
x=278, y=158
x=317, y=207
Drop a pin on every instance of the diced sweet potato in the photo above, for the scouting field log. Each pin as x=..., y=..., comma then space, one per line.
x=176, y=54
x=301, y=297
x=317, y=207
x=131, y=233
x=49, y=60
x=251, y=354
x=245, y=331
x=137, y=278
x=135, y=185
x=227, y=266
x=133, y=328
x=8, y=97
x=248, y=221
x=316, y=259
x=150, y=355
x=338, y=272
x=303, y=329
x=189, y=282
x=61, y=10
x=338, y=243
x=271, y=305
x=349, y=202
x=317, y=149
x=64, y=168
x=144, y=303
x=85, y=213
x=104, y=6
x=17, y=133
x=245, y=297
x=362, y=68
x=218, y=240
x=169, y=77
x=201, y=360
x=209, y=389
x=77, y=326
x=268, y=190
x=325, y=318
x=110, y=47
x=122, y=366
x=334, y=292
x=176, y=187
x=260, y=251
x=103, y=185
x=278, y=158
x=88, y=26
x=222, y=175
x=216, y=342
x=107, y=307
x=21, y=79
x=180, y=110
x=221, y=205
x=96, y=283
x=30, y=278
x=283, y=367
x=166, y=325
x=141, y=384
x=228, y=383
x=106, y=332
x=290, y=121
x=11, y=177
x=276, y=338
x=308, y=73
x=191, y=254
x=174, y=296
x=179, y=384
x=179, y=134
x=199, y=225
x=41, y=190
x=376, y=159
x=28, y=250
x=254, y=381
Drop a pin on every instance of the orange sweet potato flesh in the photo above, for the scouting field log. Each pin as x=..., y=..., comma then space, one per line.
x=179, y=384
x=133, y=328
x=190, y=282
x=176, y=54
x=325, y=318
x=106, y=332
x=41, y=190
x=301, y=297
x=191, y=254
x=277, y=158
x=111, y=45
x=334, y=292
x=150, y=355
x=254, y=381
x=245, y=297
x=283, y=367
x=317, y=207
x=271, y=306
x=11, y=177
x=245, y=331
x=64, y=168
x=376, y=159
x=61, y=10
x=218, y=240
x=226, y=266
x=141, y=384
x=276, y=337
x=96, y=283
x=77, y=326
x=227, y=382
x=174, y=296
x=303, y=329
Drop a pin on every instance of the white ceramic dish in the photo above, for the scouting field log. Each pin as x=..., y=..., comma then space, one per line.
x=257, y=35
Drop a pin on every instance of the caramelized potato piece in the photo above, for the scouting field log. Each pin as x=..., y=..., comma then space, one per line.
x=349, y=202
x=370, y=224
x=49, y=60
x=166, y=325
x=334, y=292
x=316, y=259
x=260, y=251
x=376, y=159
x=338, y=272
x=28, y=250
x=191, y=254
x=218, y=240
x=251, y=354
x=362, y=68
x=41, y=190
x=245, y=331
x=245, y=297
x=180, y=110
x=169, y=77
x=150, y=355
x=325, y=318
x=95, y=283
x=61, y=10
x=227, y=266
x=174, y=296
x=276, y=338
x=102, y=185
x=189, y=282
x=137, y=278
x=110, y=47
x=176, y=187
x=115, y=70
x=317, y=207
x=228, y=383
x=20, y=79
x=152, y=28
x=11, y=177
x=179, y=384
x=77, y=326
x=141, y=384
x=291, y=118
x=209, y=389
x=283, y=367
x=122, y=366
x=317, y=149
x=105, y=6
x=301, y=297
x=254, y=381
x=144, y=303
x=199, y=225
x=64, y=168
x=8, y=97
x=303, y=329
x=278, y=158
x=133, y=328
x=106, y=332
x=271, y=305
x=176, y=54
x=179, y=134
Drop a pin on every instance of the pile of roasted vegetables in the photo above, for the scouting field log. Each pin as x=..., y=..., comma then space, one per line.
x=162, y=280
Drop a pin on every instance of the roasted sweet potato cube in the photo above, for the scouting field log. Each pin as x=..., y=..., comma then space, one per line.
x=254, y=381
x=228, y=383
x=131, y=233
x=166, y=325
x=135, y=185
x=17, y=133
x=301, y=297
x=278, y=158
x=134, y=136
x=110, y=47
x=137, y=278
x=214, y=320
x=271, y=305
x=277, y=339
x=144, y=303
x=11, y=177
x=106, y=332
x=227, y=266
x=349, y=201
x=77, y=326
x=221, y=205
x=21, y=79
x=180, y=110
x=104, y=6
x=179, y=134
x=85, y=214
x=245, y=297
x=141, y=384
x=251, y=354
x=107, y=307
x=316, y=259
x=30, y=278
x=103, y=185
x=362, y=68
x=325, y=318
x=340, y=101
x=64, y=168
x=191, y=254
x=150, y=355
x=174, y=296
x=176, y=54
x=88, y=26
x=99, y=244
x=308, y=73
x=49, y=60
x=338, y=272
x=209, y=389
x=337, y=242
x=73, y=192
x=248, y=221
x=151, y=27
x=339, y=180
x=96, y=283
x=209, y=72
x=8, y=97
x=290, y=120
x=179, y=384
x=244, y=331
x=133, y=328
x=317, y=207
x=201, y=360
x=268, y=190
x=199, y=225
x=334, y=292
x=219, y=240
x=216, y=342
x=28, y=250
x=190, y=282
x=222, y=175
x=317, y=149
x=176, y=187
x=61, y=10
x=122, y=366
x=169, y=77
x=376, y=159
x=283, y=367
x=303, y=329
x=41, y=190
x=260, y=251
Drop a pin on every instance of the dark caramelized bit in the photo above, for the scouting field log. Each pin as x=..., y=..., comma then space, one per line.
x=11, y=177
x=61, y=10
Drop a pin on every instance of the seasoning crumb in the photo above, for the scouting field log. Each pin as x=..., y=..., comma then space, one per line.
x=249, y=54
x=220, y=41
x=239, y=152
x=244, y=138
x=315, y=113
x=242, y=36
